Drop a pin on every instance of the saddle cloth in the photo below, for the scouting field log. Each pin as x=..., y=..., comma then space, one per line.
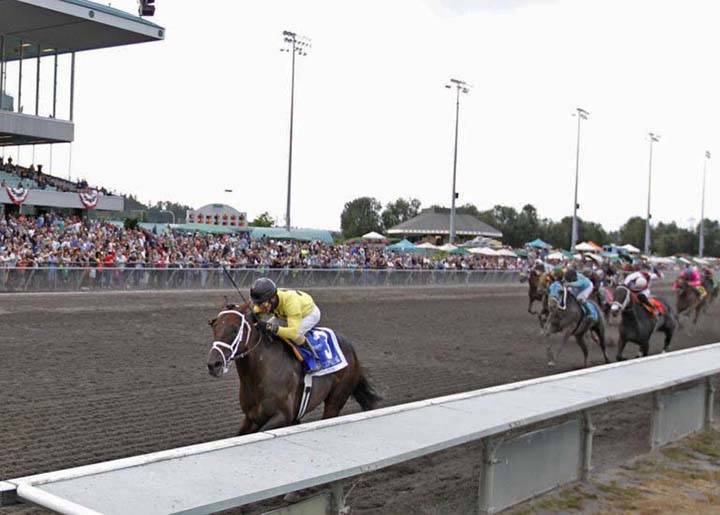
x=326, y=345
x=659, y=306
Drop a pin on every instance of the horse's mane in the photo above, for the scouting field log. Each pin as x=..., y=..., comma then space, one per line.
x=246, y=309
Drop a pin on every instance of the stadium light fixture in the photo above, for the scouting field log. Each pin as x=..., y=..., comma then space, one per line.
x=460, y=87
x=146, y=8
x=296, y=45
x=654, y=138
x=581, y=114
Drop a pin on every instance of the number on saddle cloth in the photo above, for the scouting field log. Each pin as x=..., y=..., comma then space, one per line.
x=331, y=357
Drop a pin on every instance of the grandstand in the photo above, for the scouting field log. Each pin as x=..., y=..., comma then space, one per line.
x=31, y=33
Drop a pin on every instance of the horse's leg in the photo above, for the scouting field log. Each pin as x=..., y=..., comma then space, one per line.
x=247, y=427
x=530, y=303
x=621, y=347
x=278, y=420
x=565, y=338
x=580, y=339
x=600, y=332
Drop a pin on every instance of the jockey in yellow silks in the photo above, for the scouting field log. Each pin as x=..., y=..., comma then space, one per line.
x=294, y=312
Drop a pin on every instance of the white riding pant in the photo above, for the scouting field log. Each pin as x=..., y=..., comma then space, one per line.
x=584, y=294
x=306, y=323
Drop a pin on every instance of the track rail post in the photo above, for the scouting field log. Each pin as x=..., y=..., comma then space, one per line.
x=587, y=443
x=709, y=402
x=487, y=476
x=657, y=410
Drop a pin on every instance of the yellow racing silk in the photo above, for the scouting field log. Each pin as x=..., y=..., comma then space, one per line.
x=293, y=306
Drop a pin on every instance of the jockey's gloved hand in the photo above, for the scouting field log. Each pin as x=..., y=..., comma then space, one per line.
x=273, y=328
x=263, y=326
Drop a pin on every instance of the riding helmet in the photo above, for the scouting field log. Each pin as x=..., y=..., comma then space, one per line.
x=263, y=290
x=571, y=275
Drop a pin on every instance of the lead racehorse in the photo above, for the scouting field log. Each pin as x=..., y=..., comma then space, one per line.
x=272, y=378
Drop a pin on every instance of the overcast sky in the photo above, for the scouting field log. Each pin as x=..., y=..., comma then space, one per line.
x=207, y=109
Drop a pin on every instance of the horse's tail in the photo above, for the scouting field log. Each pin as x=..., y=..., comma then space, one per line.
x=365, y=394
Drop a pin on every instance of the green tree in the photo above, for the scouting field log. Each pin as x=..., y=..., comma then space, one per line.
x=400, y=211
x=131, y=223
x=361, y=216
x=263, y=220
x=633, y=232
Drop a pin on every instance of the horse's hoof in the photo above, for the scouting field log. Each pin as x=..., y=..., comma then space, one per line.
x=551, y=363
x=292, y=497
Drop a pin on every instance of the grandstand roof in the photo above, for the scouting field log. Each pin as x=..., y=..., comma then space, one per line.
x=437, y=221
x=71, y=26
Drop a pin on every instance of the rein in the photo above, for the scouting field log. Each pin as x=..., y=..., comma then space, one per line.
x=237, y=341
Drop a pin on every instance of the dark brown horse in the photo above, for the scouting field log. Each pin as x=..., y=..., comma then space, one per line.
x=688, y=301
x=638, y=325
x=272, y=378
x=537, y=289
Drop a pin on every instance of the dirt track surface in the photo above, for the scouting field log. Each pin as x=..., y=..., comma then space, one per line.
x=98, y=376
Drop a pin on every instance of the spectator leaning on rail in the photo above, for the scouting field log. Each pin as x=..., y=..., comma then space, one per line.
x=294, y=312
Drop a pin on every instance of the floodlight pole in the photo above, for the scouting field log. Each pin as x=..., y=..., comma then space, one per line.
x=296, y=44
x=459, y=86
x=653, y=138
x=581, y=114
x=701, y=249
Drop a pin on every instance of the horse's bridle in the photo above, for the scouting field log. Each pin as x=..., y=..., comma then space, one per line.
x=622, y=306
x=233, y=347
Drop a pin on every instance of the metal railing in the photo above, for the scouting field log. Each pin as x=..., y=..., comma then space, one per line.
x=516, y=464
x=84, y=279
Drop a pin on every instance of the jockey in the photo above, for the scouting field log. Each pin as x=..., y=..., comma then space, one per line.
x=691, y=276
x=639, y=283
x=294, y=312
x=580, y=286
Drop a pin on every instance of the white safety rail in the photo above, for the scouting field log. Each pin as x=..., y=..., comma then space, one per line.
x=237, y=471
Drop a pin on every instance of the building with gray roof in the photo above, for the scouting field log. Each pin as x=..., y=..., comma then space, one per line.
x=435, y=221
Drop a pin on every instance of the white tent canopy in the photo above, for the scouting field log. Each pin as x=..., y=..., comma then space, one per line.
x=630, y=249
x=373, y=236
x=585, y=247
x=484, y=251
x=428, y=246
x=556, y=256
x=506, y=253
x=448, y=247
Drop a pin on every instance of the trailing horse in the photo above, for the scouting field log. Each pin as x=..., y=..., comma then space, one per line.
x=537, y=288
x=566, y=315
x=688, y=300
x=272, y=381
x=638, y=324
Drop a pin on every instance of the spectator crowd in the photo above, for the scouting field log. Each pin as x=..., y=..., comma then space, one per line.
x=55, y=241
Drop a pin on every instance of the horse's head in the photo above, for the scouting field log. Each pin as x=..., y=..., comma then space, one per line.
x=234, y=336
x=621, y=299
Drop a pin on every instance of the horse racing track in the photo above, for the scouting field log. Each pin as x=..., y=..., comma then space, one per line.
x=95, y=376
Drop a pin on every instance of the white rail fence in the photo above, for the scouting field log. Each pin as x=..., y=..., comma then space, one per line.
x=515, y=466
x=82, y=279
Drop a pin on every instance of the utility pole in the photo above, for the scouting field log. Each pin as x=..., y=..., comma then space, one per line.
x=653, y=139
x=701, y=249
x=581, y=114
x=460, y=87
x=296, y=45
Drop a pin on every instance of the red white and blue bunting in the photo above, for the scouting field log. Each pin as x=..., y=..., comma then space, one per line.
x=89, y=198
x=17, y=195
